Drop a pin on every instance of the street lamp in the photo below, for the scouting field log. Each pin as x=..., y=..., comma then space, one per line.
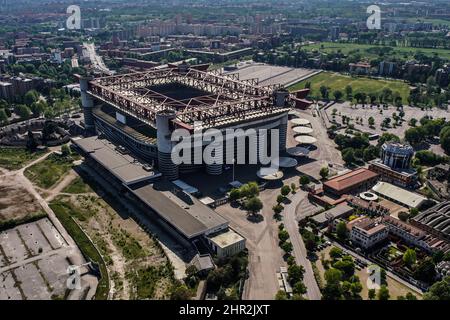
x=234, y=160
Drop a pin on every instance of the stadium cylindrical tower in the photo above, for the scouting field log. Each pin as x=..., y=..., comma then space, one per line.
x=396, y=155
x=165, y=144
x=215, y=169
x=88, y=105
x=283, y=132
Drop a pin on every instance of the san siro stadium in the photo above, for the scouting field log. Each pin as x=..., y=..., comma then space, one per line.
x=140, y=111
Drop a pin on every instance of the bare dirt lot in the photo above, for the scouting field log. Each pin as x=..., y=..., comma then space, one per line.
x=129, y=252
x=15, y=201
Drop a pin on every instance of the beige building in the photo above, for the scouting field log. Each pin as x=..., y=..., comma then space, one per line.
x=366, y=232
x=226, y=243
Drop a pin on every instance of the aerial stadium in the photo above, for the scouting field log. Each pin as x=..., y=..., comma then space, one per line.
x=139, y=111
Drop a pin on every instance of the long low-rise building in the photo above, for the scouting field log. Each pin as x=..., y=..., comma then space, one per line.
x=351, y=182
x=435, y=220
x=398, y=195
x=415, y=236
x=124, y=167
x=182, y=214
x=342, y=210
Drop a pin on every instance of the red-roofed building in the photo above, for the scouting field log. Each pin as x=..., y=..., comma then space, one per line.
x=352, y=182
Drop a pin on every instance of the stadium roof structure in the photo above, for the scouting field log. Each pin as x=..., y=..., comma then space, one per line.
x=303, y=139
x=300, y=122
x=214, y=99
x=302, y=130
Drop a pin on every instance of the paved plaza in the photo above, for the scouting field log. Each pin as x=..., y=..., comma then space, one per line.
x=34, y=259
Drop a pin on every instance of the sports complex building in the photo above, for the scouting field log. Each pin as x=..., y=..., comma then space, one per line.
x=129, y=121
x=140, y=111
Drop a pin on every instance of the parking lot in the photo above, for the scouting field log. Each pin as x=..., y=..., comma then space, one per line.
x=34, y=259
x=379, y=114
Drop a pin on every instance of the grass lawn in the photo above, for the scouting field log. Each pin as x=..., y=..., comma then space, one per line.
x=366, y=50
x=48, y=172
x=16, y=158
x=77, y=186
x=64, y=212
x=337, y=81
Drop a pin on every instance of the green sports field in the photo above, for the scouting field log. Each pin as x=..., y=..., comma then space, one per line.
x=370, y=51
x=337, y=81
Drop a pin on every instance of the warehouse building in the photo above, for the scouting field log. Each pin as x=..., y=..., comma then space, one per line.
x=398, y=195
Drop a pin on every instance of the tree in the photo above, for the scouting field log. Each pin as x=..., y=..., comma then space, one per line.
x=324, y=91
x=348, y=155
x=341, y=230
x=413, y=212
x=191, y=271
x=324, y=172
x=337, y=95
x=445, y=139
x=425, y=271
x=249, y=190
x=408, y=296
x=370, y=153
x=333, y=289
x=295, y=274
x=283, y=235
x=235, y=194
x=287, y=247
x=3, y=117
x=39, y=108
x=304, y=180
x=412, y=122
x=409, y=257
x=388, y=137
x=371, y=121
x=293, y=188
x=23, y=112
x=31, y=142
x=335, y=253
x=415, y=135
x=403, y=216
x=348, y=92
x=180, y=292
x=280, y=198
x=346, y=265
x=372, y=294
x=285, y=190
x=439, y=290
x=299, y=288
x=383, y=293
x=31, y=97
x=281, y=295
x=65, y=150
x=253, y=205
x=278, y=208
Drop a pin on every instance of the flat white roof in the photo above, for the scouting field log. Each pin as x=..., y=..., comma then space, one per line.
x=408, y=198
x=226, y=238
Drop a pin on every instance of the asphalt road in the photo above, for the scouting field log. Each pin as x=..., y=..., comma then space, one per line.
x=299, y=250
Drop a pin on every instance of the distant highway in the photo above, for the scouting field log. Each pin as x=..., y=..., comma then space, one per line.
x=96, y=60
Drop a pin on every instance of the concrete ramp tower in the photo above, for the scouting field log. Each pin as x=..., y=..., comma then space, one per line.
x=88, y=105
x=165, y=145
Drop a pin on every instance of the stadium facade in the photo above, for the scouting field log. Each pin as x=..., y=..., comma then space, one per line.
x=140, y=111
